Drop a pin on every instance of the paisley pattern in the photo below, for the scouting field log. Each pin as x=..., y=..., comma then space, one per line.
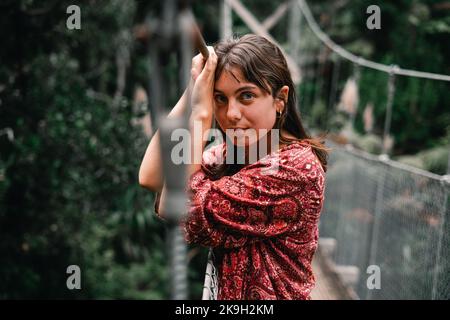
x=262, y=224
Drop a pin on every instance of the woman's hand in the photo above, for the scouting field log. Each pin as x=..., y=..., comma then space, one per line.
x=202, y=77
x=202, y=102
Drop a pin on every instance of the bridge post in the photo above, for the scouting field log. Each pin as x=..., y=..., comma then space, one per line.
x=226, y=25
x=375, y=229
x=389, y=103
x=294, y=31
x=174, y=33
x=446, y=185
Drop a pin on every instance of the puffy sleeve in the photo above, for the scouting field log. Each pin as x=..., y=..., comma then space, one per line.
x=262, y=200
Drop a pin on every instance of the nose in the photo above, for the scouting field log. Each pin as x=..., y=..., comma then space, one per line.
x=233, y=112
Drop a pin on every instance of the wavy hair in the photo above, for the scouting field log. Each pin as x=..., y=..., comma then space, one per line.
x=263, y=63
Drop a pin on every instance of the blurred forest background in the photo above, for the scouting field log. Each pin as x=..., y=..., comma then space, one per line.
x=74, y=129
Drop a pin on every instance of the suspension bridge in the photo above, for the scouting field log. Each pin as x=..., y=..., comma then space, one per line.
x=379, y=215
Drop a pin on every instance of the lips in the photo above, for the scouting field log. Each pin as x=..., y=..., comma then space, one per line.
x=241, y=136
x=239, y=131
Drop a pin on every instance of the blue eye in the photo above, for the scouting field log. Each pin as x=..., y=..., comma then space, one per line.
x=247, y=95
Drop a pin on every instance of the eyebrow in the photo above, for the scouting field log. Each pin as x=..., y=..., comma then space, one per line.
x=240, y=89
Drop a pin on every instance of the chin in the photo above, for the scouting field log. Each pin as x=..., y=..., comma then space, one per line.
x=243, y=140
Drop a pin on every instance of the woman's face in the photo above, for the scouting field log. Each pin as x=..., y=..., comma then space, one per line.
x=242, y=108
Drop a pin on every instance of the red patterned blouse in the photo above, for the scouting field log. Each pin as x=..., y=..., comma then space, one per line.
x=262, y=222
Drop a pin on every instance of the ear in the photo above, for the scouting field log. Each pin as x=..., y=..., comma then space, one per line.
x=282, y=98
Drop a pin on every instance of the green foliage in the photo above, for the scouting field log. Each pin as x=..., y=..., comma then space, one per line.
x=319, y=114
x=368, y=142
x=434, y=160
x=413, y=35
x=68, y=179
x=420, y=110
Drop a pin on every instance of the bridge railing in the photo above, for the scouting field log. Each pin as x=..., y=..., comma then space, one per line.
x=389, y=220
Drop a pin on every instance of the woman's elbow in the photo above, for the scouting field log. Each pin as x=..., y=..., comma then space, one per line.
x=144, y=184
x=149, y=184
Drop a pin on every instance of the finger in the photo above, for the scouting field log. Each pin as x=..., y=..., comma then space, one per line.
x=198, y=60
x=207, y=74
x=211, y=63
x=197, y=65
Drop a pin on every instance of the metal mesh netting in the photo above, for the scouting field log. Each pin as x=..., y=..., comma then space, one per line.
x=392, y=216
x=210, y=286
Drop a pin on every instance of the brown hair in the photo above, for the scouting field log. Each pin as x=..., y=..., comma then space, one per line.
x=263, y=64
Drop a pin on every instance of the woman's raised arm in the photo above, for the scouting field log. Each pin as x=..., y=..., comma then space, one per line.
x=201, y=114
x=150, y=172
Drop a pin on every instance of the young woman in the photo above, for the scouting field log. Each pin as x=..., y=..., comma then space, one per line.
x=261, y=216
